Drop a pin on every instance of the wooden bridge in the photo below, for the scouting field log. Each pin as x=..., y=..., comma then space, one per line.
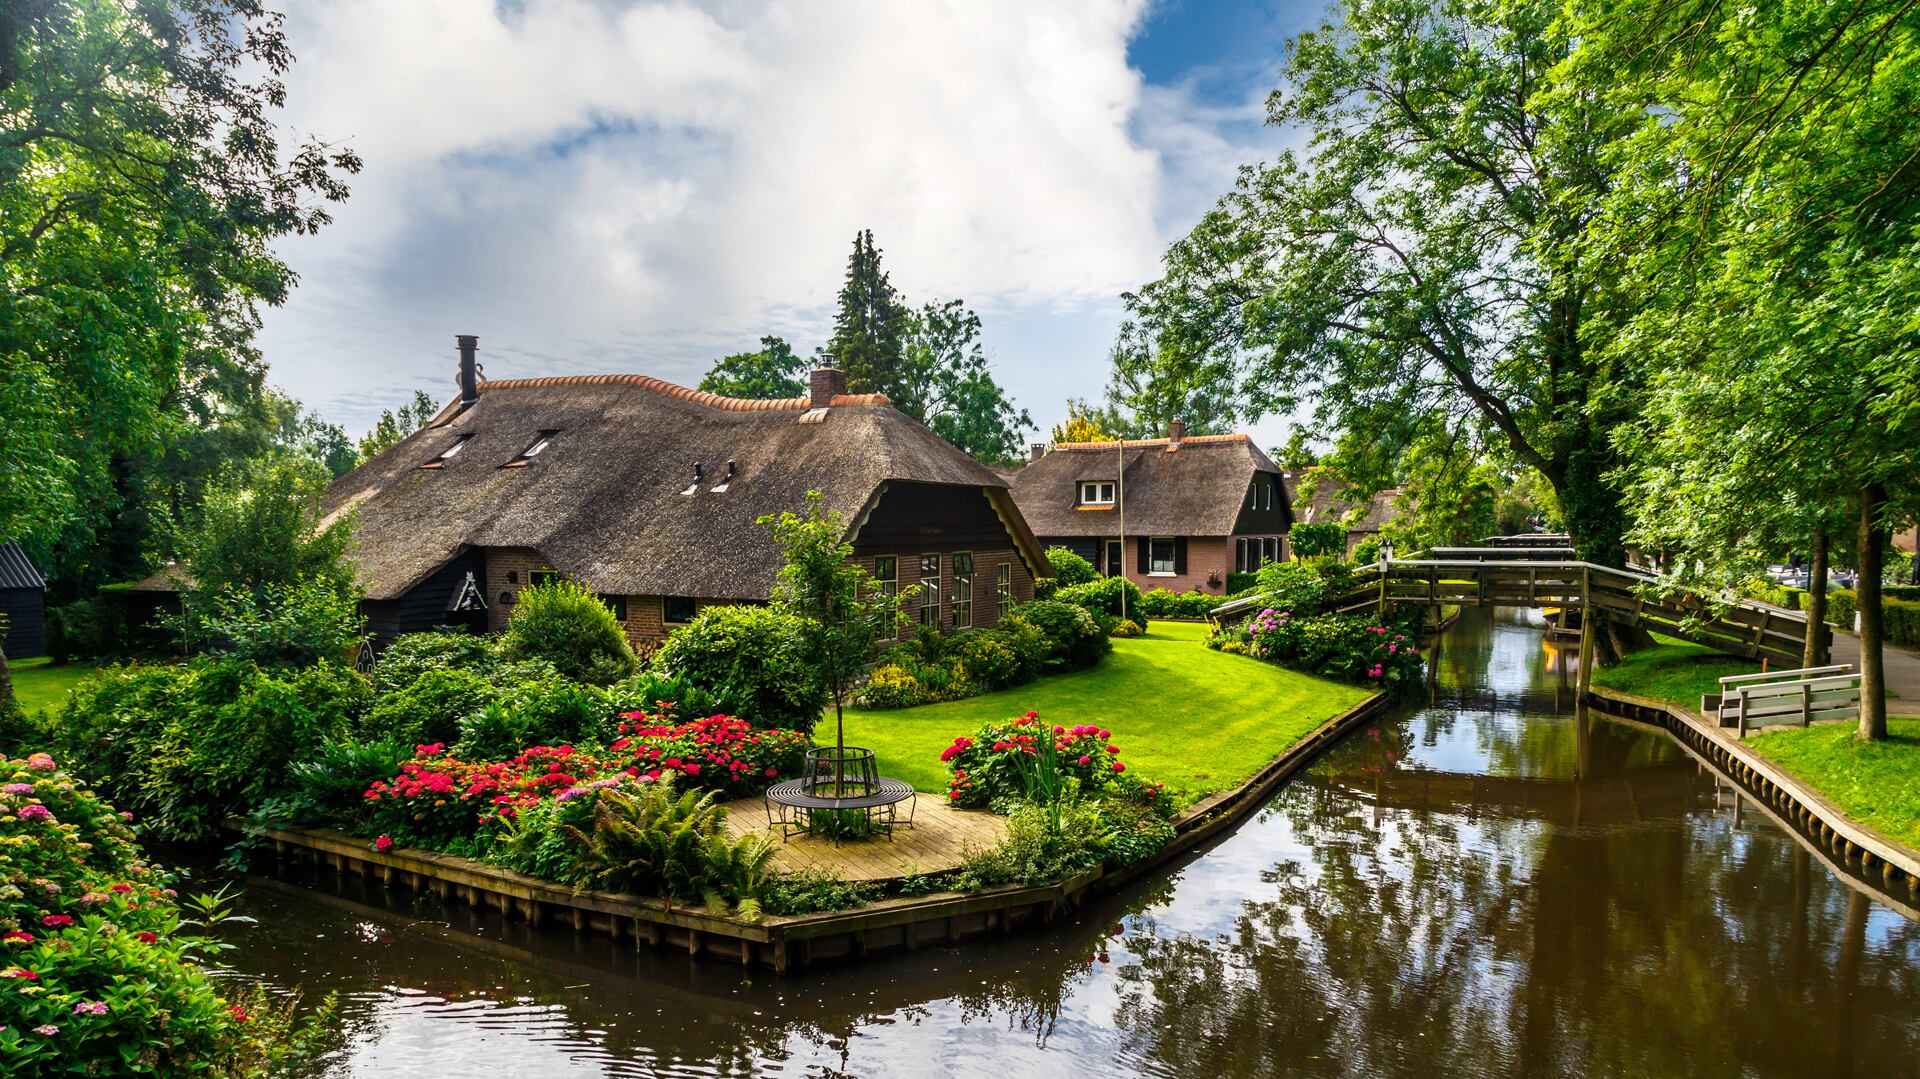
x=1482, y=577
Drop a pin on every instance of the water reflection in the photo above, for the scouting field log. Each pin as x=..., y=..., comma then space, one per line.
x=1487, y=885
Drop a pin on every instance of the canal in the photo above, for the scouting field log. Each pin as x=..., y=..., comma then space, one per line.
x=1482, y=884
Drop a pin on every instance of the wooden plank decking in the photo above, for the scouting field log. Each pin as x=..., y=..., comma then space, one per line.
x=937, y=841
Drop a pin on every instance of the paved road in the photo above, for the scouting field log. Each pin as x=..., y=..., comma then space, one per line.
x=1903, y=672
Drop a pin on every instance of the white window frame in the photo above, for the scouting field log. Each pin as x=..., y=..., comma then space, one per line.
x=1092, y=490
x=1003, y=585
x=887, y=584
x=1172, y=557
x=930, y=591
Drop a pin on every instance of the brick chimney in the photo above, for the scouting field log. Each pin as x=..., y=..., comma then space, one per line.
x=1035, y=451
x=469, y=369
x=1176, y=430
x=825, y=384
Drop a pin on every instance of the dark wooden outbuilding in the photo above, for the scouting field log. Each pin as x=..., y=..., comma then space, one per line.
x=23, y=604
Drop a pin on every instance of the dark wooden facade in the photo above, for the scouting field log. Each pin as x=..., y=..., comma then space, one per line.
x=23, y=604
x=431, y=603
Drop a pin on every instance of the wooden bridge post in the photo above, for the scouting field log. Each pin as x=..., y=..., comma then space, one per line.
x=1588, y=623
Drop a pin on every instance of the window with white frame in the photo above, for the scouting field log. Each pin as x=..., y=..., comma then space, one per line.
x=930, y=590
x=962, y=589
x=886, y=575
x=1160, y=557
x=1096, y=492
x=1003, y=585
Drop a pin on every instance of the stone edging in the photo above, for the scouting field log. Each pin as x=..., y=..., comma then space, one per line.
x=784, y=943
x=1858, y=848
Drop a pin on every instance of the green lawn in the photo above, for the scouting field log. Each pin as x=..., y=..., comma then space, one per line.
x=38, y=684
x=1676, y=671
x=1182, y=714
x=1875, y=783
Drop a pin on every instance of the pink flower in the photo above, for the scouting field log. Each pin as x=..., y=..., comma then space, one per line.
x=1105, y=734
x=123, y=889
x=1033, y=715
x=383, y=844
x=20, y=972
x=18, y=935
x=35, y=811
x=40, y=762
x=1118, y=767
x=57, y=921
x=47, y=1029
x=1113, y=749
x=1086, y=760
x=90, y=1008
x=18, y=788
x=238, y=1013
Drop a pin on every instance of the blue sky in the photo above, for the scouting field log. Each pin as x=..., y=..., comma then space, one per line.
x=592, y=186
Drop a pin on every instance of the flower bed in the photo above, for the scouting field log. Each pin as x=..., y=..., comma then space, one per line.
x=986, y=765
x=1348, y=647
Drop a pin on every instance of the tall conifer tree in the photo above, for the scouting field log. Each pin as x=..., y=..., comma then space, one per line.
x=868, y=330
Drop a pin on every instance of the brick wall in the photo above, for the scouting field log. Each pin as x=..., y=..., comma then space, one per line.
x=509, y=569
x=1206, y=555
x=985, y=593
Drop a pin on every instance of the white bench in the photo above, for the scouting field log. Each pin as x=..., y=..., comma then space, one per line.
x=1798, y=696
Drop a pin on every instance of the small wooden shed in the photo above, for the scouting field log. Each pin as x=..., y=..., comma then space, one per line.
x=23, y=604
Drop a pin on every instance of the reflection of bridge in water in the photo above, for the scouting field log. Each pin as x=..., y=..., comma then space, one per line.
x=1662, y=791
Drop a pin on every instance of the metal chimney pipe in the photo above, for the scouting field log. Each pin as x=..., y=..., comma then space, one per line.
x=469, y=369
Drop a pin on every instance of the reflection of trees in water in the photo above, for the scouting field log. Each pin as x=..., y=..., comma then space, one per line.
x=1435, y=945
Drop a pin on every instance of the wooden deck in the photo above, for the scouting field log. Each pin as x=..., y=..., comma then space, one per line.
x=937, y=841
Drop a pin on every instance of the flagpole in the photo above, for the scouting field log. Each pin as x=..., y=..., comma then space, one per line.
x=1120, y=496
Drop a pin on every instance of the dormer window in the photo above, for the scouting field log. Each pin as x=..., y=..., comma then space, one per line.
x=532, y=451
x=448, y=453
x=1096, y=493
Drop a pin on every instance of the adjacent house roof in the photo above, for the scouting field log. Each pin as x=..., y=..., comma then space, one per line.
x=1333, y=499
x=15, y=570
x=611, y=497
x=1196, y=487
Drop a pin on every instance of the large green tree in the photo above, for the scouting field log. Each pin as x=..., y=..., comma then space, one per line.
x=1768, y=210
x=142, y=183
x=1417, y=262
x=394, y=425
x=769, y=374
x=944, y=382
x=1147, y=389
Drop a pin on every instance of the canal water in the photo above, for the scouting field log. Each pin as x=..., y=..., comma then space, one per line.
x=1482, y=884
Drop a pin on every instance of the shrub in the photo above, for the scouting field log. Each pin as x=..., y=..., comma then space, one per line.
x=440, y=801
x=1366, y=552
x=1194, y=605
x=996, y=659
x=1070, y=569
x=312, y=620
x=86, y=629
x=892, y=686
x=1073, y=639
x=103, y=977
x=1040, y=846
x=753, y=657
x=719, y=753
x=1326, y=540
x=1127, y=627
x=1045, y=587
x=987, y=765
x=571, y=628
x=1841, y=606
x=1135, y=830
x=645, y=838
x=414, y=654
x=186, y=746
x=1104, y=598
x=657, y=693
x=330, y=786
x=1347, y=647
x=430, y=708
x=1241, y=581
x=815, y=891
x=1304, y=587
x=547, y=710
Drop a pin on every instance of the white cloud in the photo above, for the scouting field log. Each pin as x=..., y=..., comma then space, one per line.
x=592, y=186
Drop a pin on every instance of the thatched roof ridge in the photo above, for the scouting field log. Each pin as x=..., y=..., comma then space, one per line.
x=612, y=498
x=1196, y=487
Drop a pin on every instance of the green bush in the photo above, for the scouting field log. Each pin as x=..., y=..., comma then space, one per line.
x=1038, y=850
x=892, y=686
x=1304, y=587
x=430, y=708
x=1073, y=639
x=1105, y=597
x=934, y=666
x=1194, y=606
x=1841, y=605
x=186, y=746
x=751, y=656
x=544, y=711
x=1349, y=647
x=1045, y=587
x=313, y=620
x=414, y=654
x=645, y=838
x=815, y=891
x=571, y=628
x=1902, y=620
x=1127, y=627
x=660, y=694
x=1366, y=552
x=1326, y=540
x=86, y=629
x=330, y=786
x=1241, y=582
x=1070, y=569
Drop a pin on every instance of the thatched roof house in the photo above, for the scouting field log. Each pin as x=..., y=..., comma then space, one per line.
x=1196, y=507
x=1320, y=497
x=649, y=493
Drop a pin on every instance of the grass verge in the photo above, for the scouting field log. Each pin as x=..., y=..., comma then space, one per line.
x=1181, y=713
x=38, y=684
x=1675, y=671
x=1875, y=783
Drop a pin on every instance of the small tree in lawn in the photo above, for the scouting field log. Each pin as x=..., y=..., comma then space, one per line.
x=843, y=613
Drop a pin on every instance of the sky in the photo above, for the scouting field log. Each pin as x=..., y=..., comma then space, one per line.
x=594, y=186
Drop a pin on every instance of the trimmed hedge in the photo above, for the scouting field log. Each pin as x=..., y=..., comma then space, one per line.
x=1193, y=605
x=1103, y=599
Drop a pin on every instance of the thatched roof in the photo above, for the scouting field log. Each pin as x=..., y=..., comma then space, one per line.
x=606, y=500
x=1195, y=488
x=1333, y=499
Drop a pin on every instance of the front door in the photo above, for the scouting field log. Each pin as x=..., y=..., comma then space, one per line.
x=1113, y=558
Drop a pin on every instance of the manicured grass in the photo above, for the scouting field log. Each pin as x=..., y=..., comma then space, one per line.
x=1875, y=783
x=1182, y=714
x=37, y=684
x=1676, y=671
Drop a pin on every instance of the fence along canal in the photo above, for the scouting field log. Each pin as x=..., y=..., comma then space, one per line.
x=1595, y=907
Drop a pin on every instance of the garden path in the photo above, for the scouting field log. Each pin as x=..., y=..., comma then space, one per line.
x=1902, y=667
x=937, y=841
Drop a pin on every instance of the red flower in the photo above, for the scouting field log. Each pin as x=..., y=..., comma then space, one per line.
x=383, y=844
x=1118, y=767
x=145, y=938
x=239, y=1013
x=57, y=921
x=121, y=888
x=20, y=935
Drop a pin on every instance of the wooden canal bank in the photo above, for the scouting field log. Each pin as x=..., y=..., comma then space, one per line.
x=788, y=943
x=1858, y=850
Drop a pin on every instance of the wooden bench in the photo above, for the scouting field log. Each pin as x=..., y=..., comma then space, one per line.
x=1797, y=696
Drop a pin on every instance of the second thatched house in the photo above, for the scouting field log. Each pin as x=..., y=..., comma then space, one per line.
x=649, y=493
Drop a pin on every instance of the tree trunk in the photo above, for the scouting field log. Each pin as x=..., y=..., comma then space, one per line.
x=1873, y=676
x=1816, y=605
x=1596, y=524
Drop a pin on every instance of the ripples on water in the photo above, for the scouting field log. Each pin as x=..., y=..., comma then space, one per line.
x=1486, y=885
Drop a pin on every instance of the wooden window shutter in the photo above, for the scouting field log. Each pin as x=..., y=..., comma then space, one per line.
x=1145, y=562
x=1179, y=554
